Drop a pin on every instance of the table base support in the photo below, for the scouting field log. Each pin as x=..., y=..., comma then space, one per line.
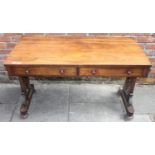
x=126, y=94
x=27, y=90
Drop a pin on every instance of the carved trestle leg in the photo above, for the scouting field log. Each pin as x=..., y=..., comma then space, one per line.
x=126, y=93
x=27, y=90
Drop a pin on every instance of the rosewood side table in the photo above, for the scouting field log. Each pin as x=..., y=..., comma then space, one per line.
x=77, y=56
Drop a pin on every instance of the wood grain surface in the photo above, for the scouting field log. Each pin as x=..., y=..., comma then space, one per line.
x=71, y=50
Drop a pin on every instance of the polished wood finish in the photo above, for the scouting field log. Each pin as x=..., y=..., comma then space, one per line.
x=43, y=71
x=112, y=71
x=77, y=56
x=102, y=71
x=77, y=51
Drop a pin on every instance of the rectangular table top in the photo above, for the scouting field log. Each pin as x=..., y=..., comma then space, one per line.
x=73, y=50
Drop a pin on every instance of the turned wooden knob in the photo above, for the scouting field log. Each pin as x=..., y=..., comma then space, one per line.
x=62, y=71
x=93, y=71
x=129, y=72
x=27, y=71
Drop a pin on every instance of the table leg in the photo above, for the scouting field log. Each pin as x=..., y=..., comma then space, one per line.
x=27, y=90
x=126, y=93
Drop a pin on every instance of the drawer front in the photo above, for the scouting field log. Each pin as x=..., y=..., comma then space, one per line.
x=44, y=71
x=110, y=71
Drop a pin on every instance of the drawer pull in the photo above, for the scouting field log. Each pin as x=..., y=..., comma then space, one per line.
x=27, y=71
x=62, y=71
x=93, y=71
x=129, y=72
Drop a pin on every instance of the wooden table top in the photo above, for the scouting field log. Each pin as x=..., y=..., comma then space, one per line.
x=71, y=50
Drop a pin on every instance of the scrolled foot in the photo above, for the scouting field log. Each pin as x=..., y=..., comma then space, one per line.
x=23, y=109
x=24, y=116
x=130, y=110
